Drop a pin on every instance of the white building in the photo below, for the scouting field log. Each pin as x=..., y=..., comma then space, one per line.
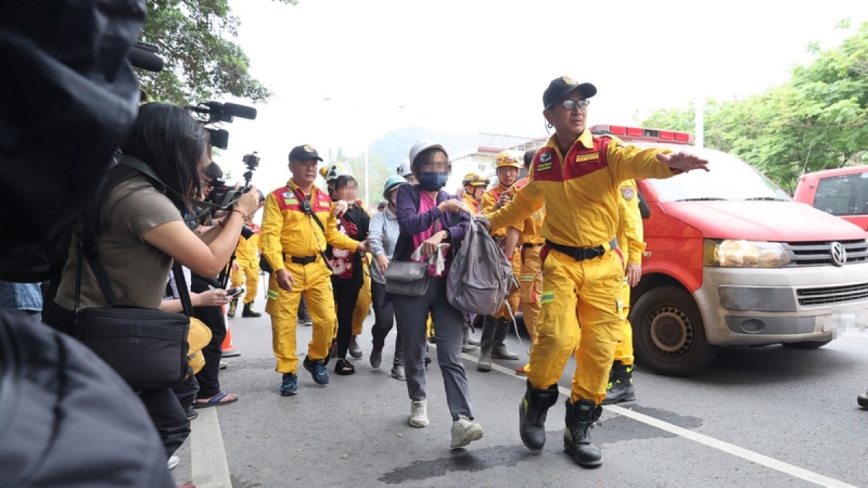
x=480, y=160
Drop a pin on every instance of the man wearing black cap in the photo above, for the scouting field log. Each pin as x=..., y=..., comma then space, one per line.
x=297, y=225
x=576, y=175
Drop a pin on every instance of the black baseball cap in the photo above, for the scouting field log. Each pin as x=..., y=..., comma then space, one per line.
x=304, y=153
x=560, y=87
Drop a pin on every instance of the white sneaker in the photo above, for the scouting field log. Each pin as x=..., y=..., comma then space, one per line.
x=464, y=431
x=419, y=413
x=173, y=461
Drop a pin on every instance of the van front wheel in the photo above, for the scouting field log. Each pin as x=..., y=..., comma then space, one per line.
x=669, y=334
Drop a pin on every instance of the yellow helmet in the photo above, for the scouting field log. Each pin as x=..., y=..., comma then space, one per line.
x=323, y=171
x=506, y=159
x=473, y=179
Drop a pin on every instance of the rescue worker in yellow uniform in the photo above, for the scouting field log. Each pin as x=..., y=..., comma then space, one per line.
x=246, y=265
x=630, y=242
x=530, y=279
x=495, y=328
x=297, y=225
x=474, y=189
x=363, y=304
x=577, y=176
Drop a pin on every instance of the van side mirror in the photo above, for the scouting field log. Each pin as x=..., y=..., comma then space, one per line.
x=644, y=209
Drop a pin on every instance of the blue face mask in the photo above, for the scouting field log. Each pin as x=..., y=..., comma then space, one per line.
x=432, y=180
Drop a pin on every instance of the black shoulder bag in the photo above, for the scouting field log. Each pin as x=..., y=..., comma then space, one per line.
x=147, y=347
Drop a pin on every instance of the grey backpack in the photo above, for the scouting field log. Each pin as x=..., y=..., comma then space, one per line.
x=480, y=276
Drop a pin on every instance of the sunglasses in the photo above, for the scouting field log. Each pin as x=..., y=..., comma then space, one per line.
x=569, y=104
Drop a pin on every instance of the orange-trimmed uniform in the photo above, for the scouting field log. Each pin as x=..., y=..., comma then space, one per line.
x=247, y=259
x=471, y=202
x=632, y=245
x=489, y=201
x=581, y=191
x=287, y=232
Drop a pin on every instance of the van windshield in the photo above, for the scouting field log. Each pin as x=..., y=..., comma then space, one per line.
x=729, y=178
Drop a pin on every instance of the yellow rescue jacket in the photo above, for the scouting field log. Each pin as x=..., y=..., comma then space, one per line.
x=287, y=230
x=630, y=232
x=580, y=188
x=247, y=251
x=489, y=201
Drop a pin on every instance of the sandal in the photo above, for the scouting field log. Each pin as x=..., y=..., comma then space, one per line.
x=344, y=367
x=215, y=401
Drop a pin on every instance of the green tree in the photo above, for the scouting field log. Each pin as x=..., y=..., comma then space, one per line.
x=817, y=120
x=195, y=39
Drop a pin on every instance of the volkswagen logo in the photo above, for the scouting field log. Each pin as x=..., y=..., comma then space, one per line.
x=839, y=254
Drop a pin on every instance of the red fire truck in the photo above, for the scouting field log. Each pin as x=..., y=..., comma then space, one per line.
x=732, y=260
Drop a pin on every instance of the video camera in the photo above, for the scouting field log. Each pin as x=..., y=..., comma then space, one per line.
x=212, y=113
x=225, y=196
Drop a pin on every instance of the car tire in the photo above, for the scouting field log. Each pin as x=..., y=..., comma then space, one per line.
x=669, y=333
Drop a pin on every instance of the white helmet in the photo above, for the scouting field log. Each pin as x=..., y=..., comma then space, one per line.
x=404, y=169
x=336, y=170
x=423, y=145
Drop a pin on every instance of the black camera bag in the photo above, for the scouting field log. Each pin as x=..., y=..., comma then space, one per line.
x=146, y=347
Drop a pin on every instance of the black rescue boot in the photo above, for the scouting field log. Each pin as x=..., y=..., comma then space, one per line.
x=862, y=400
x=488, y=329
x=620, y=388
x=232, y=306
x=532, y=415
x=248, y=311
x=581, y=417
x=500, y=351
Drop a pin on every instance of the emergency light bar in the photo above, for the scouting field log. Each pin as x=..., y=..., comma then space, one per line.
x=634, y=134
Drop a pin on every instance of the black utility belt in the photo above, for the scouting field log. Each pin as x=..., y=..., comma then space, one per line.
x=300, y=260
x=530, y=244
x=579, y=253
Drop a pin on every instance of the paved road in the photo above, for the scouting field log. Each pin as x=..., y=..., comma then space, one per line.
x=759, y=417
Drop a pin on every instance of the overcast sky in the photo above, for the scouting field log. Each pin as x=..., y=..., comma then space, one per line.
x=482, y=65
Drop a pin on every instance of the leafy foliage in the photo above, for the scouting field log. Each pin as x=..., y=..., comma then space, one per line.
x=817, y=120
x=201, y=60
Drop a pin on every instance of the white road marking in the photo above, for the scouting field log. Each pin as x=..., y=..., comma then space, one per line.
x=705, y=440
x=209, y=465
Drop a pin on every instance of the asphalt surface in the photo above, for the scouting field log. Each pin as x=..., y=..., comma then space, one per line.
x=758, y=417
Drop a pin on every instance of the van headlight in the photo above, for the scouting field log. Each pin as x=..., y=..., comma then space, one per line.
x=729, y=253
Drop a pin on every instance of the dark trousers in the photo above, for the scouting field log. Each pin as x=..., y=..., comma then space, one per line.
x=384, y=318
x=209, y=383
x=412, y=314
x=169, y=415
x=346, y=292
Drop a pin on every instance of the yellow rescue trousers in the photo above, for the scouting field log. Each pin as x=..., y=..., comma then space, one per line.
x=590, y=289
x=624, y=351
x=514, y=298
x=363, y=303
x=314, y=280
x=252, y=274
x=530, y=280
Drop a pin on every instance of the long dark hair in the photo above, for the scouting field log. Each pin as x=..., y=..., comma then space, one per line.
x=172, y=143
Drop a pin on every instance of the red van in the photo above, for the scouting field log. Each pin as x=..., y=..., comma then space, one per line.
x=842, y=192
x=732, y=260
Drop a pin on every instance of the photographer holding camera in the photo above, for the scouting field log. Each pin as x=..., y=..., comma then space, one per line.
x=135, y=228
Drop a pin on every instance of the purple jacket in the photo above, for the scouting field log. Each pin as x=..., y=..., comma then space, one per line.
x=407, y=208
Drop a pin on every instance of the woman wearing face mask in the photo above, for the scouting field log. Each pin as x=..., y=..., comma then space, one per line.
x=429, y=217
x=383, y=237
